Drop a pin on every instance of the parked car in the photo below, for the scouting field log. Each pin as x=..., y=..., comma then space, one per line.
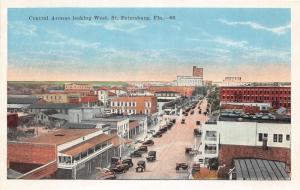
x=115, y=160
x=181, y=166
x=163, y=129
x=157, y=135
x=195, y=168
x=197, y=132
x=148, y=142
x=183, y=121
x=141, y=166
x=105, y=173
x=127, y=161
x=121, y=168
x=143, y=148
x=151, y=156
x=188, y=150
x=136, y=153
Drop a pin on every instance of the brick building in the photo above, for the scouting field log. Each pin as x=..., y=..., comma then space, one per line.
x=134, y=105
x=182, y=90
x=197, y=72
x=276, y=96
x=66, y=153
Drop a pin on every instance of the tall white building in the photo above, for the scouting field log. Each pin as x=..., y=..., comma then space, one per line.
x=241, y=133
x=189, y=81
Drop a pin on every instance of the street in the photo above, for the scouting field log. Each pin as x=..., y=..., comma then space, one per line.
x=170, y=150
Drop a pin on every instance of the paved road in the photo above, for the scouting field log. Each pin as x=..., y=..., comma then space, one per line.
x=170, y=150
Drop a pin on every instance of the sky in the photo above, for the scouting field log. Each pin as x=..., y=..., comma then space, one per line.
x=254, y=44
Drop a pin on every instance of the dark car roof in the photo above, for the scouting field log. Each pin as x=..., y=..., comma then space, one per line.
x=152, y=153
x=141, y=162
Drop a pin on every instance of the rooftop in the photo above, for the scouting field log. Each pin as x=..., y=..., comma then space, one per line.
x=53, y=106
x=84, y=146
x=21, y=99
x=257, y=169
x=61, y=136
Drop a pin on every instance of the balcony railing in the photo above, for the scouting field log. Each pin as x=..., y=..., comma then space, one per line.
x=70, y=165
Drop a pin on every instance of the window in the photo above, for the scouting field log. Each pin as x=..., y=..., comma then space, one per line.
x=260, y=135
x=280, y=138
x=288, y=137
x=275, y=138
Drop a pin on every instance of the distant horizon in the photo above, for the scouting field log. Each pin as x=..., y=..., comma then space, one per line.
x=254, y=44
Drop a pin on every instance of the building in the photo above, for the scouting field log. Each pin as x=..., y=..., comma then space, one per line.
x=166, y=96
x=102, y=93
x=229, y=140
x=197, y=72
x=59, y=97
x=118, y=91
x=76, y=115
x=20, y=103
x=189, y=81
x=119, y=124
x=274, y=95
x=63, y=154
x=78, y=87
x=233, y=81
x=61, y=108
x=134, y=105
x=182, y=90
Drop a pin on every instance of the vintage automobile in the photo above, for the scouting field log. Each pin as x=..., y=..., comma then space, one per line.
x=136, y=153
x=151, y=156
x=148, y=142
x=195, y=168
x=197, y=132
x=163, y=129
x=127, y=161
x=183, y=121
x=188, y=150
x=143, y=148
x=105, y=173
x=115, y=160
x=141, y=166
x=157, y=135
x=121, y=168
x=181, y=166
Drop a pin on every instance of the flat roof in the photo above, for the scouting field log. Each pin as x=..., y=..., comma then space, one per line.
x=60, y=136
x=53, y=106
x=84, y=146
x=258, y=169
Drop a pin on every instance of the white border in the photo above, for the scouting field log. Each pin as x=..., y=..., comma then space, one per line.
x=155, y=184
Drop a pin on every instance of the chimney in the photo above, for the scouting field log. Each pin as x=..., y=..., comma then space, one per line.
x=265, y=143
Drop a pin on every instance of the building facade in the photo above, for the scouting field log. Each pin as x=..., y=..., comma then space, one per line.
x=276, y=96
x=189, y=81
x=78, y=87
x=197, y=72
x=182, y=90
x=134, y=105
x=74, y=154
